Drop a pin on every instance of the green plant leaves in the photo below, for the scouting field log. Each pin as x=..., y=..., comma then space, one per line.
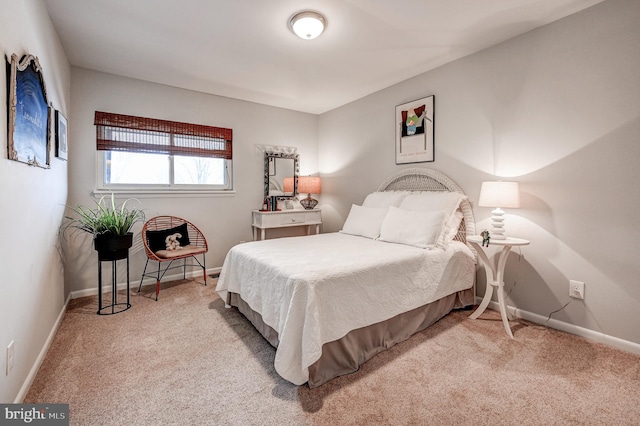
x=105, y=217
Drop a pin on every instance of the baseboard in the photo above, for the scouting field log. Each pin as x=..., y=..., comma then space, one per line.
x=134, y=283
x=595, y=336
x=43, y=352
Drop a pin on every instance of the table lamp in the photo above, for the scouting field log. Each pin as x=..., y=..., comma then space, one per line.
x=499, y=195
x=310, y=185
x=288, y=185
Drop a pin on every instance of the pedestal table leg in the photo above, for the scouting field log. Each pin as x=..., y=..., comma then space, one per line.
x=99, y=286
x=114, y=293
x=495, y=278
x=128, y=295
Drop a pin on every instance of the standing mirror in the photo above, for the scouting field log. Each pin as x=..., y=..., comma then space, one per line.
x=281, y=172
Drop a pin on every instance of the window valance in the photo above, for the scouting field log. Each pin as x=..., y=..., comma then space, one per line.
x=118, y=132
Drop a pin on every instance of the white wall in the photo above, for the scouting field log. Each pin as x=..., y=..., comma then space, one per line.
x=557, y=109
x=225, y=220
x=32, y=290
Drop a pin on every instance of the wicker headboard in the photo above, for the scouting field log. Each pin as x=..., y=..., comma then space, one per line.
x=420, y=179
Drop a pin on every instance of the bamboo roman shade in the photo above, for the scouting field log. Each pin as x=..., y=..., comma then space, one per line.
x=118, y=132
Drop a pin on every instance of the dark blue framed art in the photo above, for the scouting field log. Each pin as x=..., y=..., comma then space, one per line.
x=29, y=113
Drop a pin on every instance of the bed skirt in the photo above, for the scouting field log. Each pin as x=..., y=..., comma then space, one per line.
x=345, y=355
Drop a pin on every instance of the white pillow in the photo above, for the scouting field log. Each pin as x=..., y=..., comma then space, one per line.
x=414, y=228
x=450, y=230
x=429, y=201
x=384, y=199
x=446, y=202
x=364, y=221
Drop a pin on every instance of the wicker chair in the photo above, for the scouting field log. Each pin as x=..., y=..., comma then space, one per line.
x=170, y=238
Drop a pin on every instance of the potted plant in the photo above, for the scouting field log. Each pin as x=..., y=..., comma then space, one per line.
x=110, y=225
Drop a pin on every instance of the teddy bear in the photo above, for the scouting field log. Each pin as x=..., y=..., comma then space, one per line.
x=172, y=242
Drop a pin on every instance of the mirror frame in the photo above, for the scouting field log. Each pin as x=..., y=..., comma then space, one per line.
x=268, y=155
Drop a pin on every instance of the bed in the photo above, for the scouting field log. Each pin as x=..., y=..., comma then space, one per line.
x=330, y=302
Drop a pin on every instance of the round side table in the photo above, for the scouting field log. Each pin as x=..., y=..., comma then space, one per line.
x=495, y=274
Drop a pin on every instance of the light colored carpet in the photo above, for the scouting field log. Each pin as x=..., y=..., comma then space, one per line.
x=186, y=360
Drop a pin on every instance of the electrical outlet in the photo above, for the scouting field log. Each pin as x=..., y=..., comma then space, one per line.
x=576, y=289
x=10, y=357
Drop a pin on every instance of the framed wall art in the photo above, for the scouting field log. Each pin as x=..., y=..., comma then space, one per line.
x=29, y=116
x=61, y=136
x=414, y=131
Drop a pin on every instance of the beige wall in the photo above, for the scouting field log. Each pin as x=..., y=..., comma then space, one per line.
x=557, y=109
x=32, y=199
x=224, y=219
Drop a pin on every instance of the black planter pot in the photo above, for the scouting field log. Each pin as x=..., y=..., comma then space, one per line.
x=113, y=247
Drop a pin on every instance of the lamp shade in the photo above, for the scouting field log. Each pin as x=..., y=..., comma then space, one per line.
x=309, y=185
x=287, y=185
x=308, y=24
x=499, y=194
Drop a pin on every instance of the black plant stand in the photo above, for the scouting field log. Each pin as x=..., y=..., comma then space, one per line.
x=113, y=257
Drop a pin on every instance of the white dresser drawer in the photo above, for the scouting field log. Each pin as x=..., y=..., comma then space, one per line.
x=291, y=218
x=286, y=218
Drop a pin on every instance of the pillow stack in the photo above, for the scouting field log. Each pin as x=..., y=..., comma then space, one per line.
x=364, y=221
x=424, y=219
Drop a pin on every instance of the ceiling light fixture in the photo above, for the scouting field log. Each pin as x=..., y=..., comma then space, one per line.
x=307, y=24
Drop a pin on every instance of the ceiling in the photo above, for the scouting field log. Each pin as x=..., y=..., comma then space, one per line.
x=244, y=49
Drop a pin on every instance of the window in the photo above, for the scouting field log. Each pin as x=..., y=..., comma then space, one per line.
x=150, y=154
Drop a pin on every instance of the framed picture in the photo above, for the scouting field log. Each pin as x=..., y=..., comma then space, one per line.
x=61, y=136
x=414, y=131
x=29, y=116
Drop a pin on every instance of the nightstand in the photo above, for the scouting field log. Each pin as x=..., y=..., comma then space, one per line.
x=495, y=274
x=264, y=220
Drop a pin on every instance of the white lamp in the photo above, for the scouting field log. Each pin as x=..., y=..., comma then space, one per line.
x=499, y=194
x=307, y=24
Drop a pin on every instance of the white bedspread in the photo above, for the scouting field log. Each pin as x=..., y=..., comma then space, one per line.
x=313, y=290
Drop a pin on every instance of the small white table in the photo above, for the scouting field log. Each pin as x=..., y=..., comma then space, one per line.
x=495, y=274
x=264, y=220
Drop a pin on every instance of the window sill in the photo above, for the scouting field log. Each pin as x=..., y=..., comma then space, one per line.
x=163, y=193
